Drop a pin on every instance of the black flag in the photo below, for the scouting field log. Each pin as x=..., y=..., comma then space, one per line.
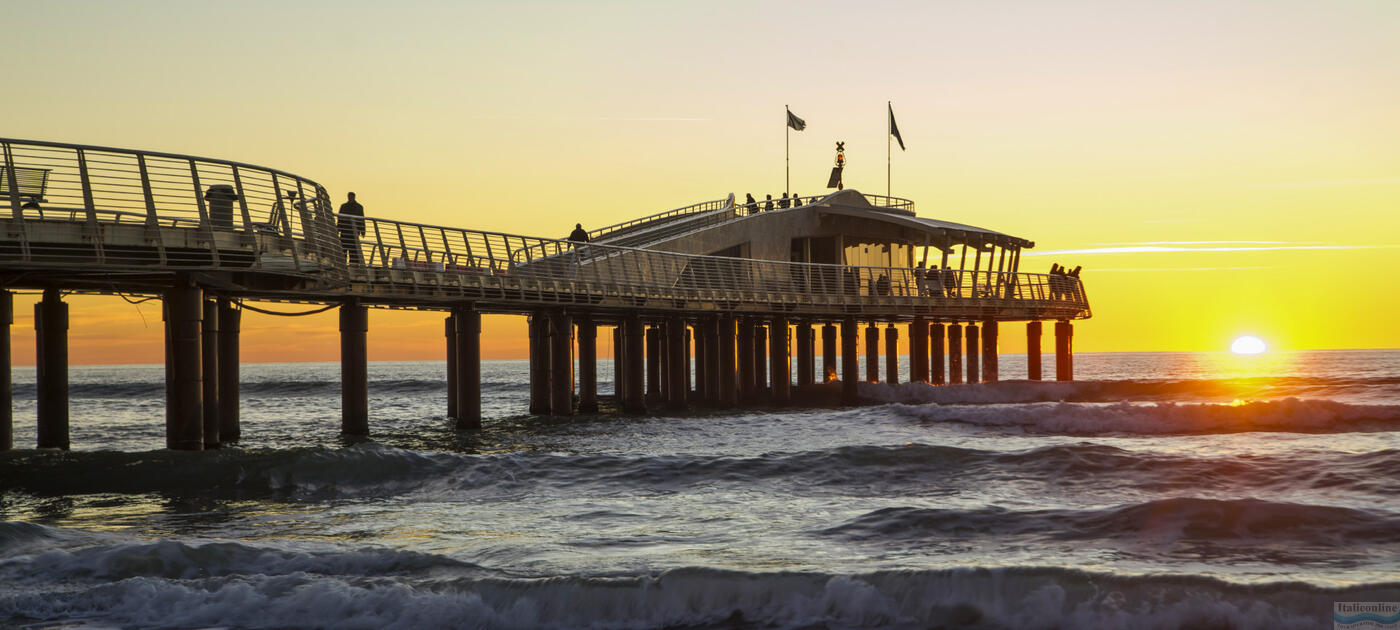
x=795, y=122
x=894, y=129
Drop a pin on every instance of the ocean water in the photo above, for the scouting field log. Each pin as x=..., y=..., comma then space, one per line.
x=1163, y=490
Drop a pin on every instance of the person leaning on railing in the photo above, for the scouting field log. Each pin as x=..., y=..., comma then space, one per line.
x=351, y=226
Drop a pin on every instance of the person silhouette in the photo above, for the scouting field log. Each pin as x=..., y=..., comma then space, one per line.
x=768, y=205
x=351, y=225
x=579, y=235
x=750, y=203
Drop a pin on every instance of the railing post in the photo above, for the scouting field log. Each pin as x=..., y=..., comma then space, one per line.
x=151, y=216
x=242, y=200
x=16, y=206
x=89, y=206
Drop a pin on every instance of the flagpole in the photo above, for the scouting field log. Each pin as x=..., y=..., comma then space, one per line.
x=888, y=132
x=787, y=150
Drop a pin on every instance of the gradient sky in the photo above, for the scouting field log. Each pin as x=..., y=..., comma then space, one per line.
x=1218, y=168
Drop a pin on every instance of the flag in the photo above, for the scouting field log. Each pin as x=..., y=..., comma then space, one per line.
x=795, y=122
x=894, y=129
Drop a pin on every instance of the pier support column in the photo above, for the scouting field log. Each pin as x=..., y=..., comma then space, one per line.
x=891, y=355
x=806, y=355
x=972, y=350
x=936, y=361
x=632, y=344
x=990, y=359
x=780, y=361
x=184, y=415
x=653, y=362
x=561, y=364
x=727, y=363
x=685, y=365
x=712, y=367
x=760, y=358
x=850, y=364
x=450, y=332
x=872, y=353
x=51, y=369
x=587, y=366
x=354, y=368
x=744, y=355
x=539, y=364
x=918, y=351
x=1064, y=351
x=1033, y=330
x=230, y=325
x=209, y=359
x=7, y=408
x=619, y=387
x=829, y=369
x=675, y=357
x=955, y=373
x=702, y=372
x=467, y=321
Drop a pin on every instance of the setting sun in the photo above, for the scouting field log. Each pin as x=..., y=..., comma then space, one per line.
x=1248, y=344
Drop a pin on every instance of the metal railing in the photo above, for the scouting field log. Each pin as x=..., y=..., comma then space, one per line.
x=147, y=208
x=743, y=209
x=414, y=258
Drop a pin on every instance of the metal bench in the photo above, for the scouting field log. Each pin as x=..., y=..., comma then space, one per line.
x=26, y=183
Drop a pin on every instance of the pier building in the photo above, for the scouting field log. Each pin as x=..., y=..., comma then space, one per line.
x=707, y=304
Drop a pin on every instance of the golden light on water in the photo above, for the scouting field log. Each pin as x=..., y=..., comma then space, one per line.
x=1248, y=344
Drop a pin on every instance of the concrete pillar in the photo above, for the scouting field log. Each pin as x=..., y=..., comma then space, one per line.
x=712, y=368
x=561, y=364
x=955, y=373
x=972, y=351
x=918, y=351
x=538, y=325
x=653, y=362
x=619, y=388
x=1033, y=330
x=1064, y=351
x=872, y=353
x=632, y=344
x=891, y=355
x=780, y=361
x=209, y=359
x=685, y=363
x=744, y=355
x=936, y=359
x=354, y=368
x=230, y=321
x=450, y=332
x=760, y=359
x=850, y=364
x=675, y=356
x=7, y=408
x=989, y=351
x=806, y=355
x=468, y=334
x=829, y=370
x=184, y=418
x=587, y=366
x=702, y=386
x=728, y=361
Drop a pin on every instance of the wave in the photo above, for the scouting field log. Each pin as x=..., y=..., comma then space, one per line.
x=366, y=471
x=281, y=596
x=1289, y=415
x=1021, y=391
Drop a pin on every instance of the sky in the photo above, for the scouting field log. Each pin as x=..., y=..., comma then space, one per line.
x=1218, y=168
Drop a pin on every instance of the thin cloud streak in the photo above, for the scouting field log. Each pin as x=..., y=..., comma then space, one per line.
x=1136, y=269
x=1152, y=249
x=1326, y=183
x=1209, y=243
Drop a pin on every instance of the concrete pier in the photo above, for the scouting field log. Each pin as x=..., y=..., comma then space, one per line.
x=7, y=407
x=632, y=346
x=702, y=373
x=676, y=363
x=1064, y=351
x=450, y=333
x=850, y=363
x=973, y=347
x=685, y=364
x=561, y=364
x=468, y=334
x=760, y=358
x=780, y=361
x=587, y=366
x=1033, y=331
x=806, y=359
x=918, y=351
x=230, y=325
x=184, y=417
x=51, y=370
x=829, y=370
x=619, y=387
x=955, y=373
x=872, y=353
x=653, y=363
x=990, y=360
x=712, y=370
x=937, y=374
x=209, y=359
x=354, y=368
x=891, y=355
x=538, y=325
x=744, y=355
x=726, y=364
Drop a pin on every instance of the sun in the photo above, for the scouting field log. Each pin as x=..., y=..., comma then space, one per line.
x=1248, y=344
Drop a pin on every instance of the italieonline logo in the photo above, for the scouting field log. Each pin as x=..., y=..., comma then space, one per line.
x=1367, y=615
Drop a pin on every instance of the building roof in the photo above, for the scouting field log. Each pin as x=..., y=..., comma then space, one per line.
x=852, y=203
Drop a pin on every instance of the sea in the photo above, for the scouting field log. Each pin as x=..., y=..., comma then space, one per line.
x=1159, y=490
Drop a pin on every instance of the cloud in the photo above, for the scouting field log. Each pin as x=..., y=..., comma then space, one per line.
x=1135, y=269
x=1164, y=249
x=1325, y=183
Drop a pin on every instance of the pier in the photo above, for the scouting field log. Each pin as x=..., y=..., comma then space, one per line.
x=715, y=291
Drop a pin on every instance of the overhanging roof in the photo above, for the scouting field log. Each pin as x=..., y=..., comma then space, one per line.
x=855, y=205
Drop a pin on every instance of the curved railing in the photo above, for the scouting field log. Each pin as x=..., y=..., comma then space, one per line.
x=144, y=208
x=422, y=259
x=879, y=201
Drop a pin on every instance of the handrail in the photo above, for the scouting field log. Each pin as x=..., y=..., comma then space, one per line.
x=879, y=201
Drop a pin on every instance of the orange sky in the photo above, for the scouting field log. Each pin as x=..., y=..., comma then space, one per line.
x=1218, y=168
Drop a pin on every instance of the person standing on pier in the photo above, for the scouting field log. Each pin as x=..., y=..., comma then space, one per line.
x=352, y=226
x=579, y=235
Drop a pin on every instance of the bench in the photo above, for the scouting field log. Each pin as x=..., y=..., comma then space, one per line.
x=29, y=184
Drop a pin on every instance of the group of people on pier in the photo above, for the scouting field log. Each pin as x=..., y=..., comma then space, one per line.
x=751, y=205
